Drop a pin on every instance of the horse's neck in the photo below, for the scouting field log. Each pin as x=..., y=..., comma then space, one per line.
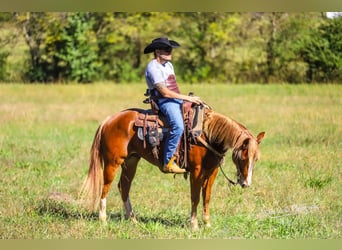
x=237, y=133
x=223, y=131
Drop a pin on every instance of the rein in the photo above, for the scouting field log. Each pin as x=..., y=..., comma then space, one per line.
x=220, y=155
x=208, y=146
x=227, y=178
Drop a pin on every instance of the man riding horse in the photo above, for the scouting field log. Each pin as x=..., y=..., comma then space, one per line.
x=117, y=143
x=162, y=84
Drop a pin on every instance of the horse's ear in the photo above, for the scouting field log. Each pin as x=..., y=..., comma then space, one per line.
x=260, y=137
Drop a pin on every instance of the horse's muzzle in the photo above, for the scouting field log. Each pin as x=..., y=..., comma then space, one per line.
x=243, y=184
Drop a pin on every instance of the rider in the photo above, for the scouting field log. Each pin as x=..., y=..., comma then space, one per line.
x=161, y=81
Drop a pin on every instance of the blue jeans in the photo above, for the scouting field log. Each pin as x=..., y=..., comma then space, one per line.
x=172, y=109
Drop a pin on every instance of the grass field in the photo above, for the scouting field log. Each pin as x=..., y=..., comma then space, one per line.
x=46, y=132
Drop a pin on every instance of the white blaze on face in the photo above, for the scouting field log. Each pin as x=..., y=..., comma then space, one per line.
x=250, y=173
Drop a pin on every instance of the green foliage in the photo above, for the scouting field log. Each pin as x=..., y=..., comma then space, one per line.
x=323, y=52
x=3, y=68
x=215, y=47
x=76, y=51
x=7, y=42
x=6, y=16
x=291, y=31
x=121, y=39
x=34, y=26
x=62, y=46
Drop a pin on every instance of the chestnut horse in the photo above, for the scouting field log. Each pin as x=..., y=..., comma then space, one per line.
x=116, y=144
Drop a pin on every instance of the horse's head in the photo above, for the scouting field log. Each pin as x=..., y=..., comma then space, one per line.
x=245, y=156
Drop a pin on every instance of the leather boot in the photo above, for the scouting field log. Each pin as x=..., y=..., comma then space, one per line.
x=172, y=167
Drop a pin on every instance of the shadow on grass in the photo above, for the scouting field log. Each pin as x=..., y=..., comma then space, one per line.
x=69, y=209
x=164, y=220
x=63, y=210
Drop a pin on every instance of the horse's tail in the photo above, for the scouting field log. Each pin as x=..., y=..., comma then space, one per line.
x=91, y=189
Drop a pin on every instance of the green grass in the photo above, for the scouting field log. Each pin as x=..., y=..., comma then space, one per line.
x=46, y=132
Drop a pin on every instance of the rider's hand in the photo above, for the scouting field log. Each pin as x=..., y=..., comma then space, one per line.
x=195, y=99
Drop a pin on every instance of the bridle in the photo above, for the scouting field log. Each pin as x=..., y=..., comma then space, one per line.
x=218, y=154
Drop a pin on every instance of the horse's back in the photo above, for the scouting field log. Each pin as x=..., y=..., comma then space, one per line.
x=120, y=138
x=118, y=129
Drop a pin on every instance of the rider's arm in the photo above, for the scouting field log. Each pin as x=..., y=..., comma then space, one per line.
x=166, y=93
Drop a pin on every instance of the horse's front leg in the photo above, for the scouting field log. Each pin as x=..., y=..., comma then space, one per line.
x=196, y=184
x=206, y=194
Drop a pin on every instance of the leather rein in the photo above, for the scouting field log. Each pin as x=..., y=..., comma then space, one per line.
x=218, y=154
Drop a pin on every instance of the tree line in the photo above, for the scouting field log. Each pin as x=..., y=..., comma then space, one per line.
x=62, y=47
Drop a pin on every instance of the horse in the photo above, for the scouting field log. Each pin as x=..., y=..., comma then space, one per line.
x=116, y=144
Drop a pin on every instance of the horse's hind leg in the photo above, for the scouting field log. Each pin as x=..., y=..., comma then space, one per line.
x=109, y=172
x=128, y=171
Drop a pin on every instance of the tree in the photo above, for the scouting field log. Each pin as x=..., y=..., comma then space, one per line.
x=76, y=50
x=215, y=47
x=121, y=39
x=34, y=26
x=7, y=40
x=296, y=27
x=62, y=46
x=208, y=40
x=323, y=52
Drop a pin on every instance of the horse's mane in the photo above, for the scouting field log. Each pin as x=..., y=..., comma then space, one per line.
x=223, y=132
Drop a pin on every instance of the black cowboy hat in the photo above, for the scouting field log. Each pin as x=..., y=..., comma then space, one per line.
x=160, y=43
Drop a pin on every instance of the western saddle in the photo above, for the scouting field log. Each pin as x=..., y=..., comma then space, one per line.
x=152, y=127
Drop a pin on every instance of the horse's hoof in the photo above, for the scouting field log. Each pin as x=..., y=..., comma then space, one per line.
x=134, y=220
x=194, y=226
x=103, y=219
x=131, y=217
